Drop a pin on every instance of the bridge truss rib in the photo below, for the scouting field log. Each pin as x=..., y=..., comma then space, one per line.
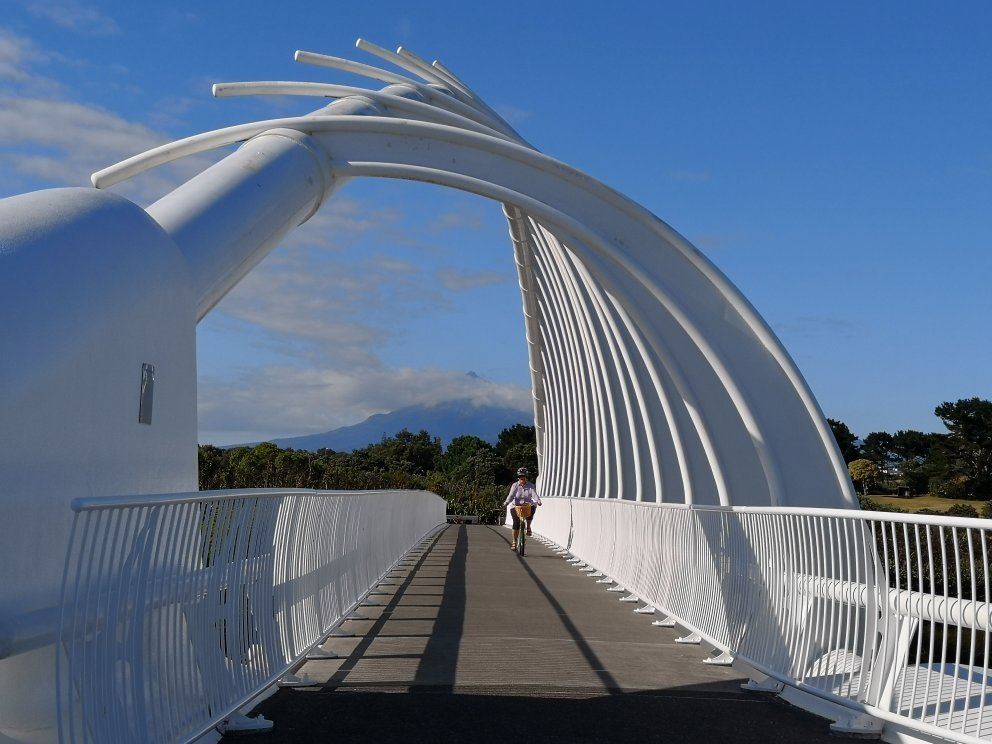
x=675, y=434
x=653, y=377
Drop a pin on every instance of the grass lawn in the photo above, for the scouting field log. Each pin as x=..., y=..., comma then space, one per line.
x=924, y=502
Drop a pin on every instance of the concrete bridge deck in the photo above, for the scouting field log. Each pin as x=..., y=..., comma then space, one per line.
x=470, y=642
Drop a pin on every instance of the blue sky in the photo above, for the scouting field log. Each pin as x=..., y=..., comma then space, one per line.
x=833, y=159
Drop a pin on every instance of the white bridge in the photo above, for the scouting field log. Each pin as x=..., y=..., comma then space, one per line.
x=681, y=453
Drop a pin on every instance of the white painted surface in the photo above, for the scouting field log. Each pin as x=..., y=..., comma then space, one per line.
x=218, y=594
x=228, y=218
x=654, y=380
x=90, y=288
x=846, y=608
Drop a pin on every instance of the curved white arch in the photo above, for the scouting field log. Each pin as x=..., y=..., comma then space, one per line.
x=620, y=310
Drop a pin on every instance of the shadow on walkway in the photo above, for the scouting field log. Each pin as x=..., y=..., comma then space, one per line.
x=470, y=643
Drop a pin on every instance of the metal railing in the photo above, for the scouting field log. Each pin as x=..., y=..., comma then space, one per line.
x=179, y=609
x=887, y=616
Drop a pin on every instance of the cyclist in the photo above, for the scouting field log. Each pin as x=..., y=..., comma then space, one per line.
x=522, y=493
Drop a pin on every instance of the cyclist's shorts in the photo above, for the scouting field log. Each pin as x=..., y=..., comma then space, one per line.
x=523, y=512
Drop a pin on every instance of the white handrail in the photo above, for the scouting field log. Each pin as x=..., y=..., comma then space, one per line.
x=178, y=609
x=884, y=614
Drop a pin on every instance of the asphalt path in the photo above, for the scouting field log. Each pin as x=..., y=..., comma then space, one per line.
x=468, y=642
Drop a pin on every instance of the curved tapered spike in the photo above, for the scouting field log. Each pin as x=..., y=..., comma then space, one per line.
x=403, y=64
x=427, y=70
x=469, y=119
x=455, y=80
x=347, y=65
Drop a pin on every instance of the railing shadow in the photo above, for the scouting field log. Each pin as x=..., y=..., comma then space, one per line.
x=417, y=698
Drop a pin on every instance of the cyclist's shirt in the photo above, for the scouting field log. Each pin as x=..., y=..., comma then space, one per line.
x=520, y=495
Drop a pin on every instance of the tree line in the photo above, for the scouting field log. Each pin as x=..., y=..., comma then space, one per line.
x=471, y=474
x=956, y=464
x=474, y=475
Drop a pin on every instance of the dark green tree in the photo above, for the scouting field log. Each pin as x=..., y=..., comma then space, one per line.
x=296, y=469
x=516, y=434
x=878, y=447
x=212, y=467
x=913, y=453
x=461, y=449
x=846, y=440
x=481, y=470
x=517, y=448
x=253, y=467
x=521, y=455
x=908, y=444
x=415, y=454
x=965, y=454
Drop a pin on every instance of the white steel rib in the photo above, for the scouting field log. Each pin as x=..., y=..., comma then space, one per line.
x=641, y=350
x=679, y=448
x=390, y=103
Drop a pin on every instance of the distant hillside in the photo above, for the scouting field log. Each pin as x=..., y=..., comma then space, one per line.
x=445, y=420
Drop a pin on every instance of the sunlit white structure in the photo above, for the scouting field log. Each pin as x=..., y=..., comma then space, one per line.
x=658, y=391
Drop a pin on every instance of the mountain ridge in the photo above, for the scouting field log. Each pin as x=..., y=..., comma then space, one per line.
x=445, y=420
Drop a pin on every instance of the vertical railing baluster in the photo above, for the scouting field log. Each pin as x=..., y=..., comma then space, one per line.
x=169, y=601
x=969, y=536
x=986, y=598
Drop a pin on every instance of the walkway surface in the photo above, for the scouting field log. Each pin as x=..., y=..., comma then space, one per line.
x=471, y=643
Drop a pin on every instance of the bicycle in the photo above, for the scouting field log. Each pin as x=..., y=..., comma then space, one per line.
x=523, y=514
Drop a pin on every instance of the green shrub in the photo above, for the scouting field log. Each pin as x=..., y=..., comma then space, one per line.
x=868, y=504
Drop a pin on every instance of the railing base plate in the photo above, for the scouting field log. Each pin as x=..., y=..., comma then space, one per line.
x=291, y=680
x=721, y=659
x=858, y=726
x=321, y=653
x=242, y=724
x=766, y=685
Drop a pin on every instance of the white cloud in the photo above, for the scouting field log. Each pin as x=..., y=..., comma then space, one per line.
x=458, y=281
x=460, y=220
x=394, y=265
x=14, y=52
x=47, y=139
x=307, y=313
x=282, y=401
x=815, y=327
x=513, y=115
x=328, y=309
x=75, y=16
x=59, y=123
x=17, y=56
x=343, y=216
x=319, y=298
x=61, y=143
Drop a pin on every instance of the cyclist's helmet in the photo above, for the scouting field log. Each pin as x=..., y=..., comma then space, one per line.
x=522, y=471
